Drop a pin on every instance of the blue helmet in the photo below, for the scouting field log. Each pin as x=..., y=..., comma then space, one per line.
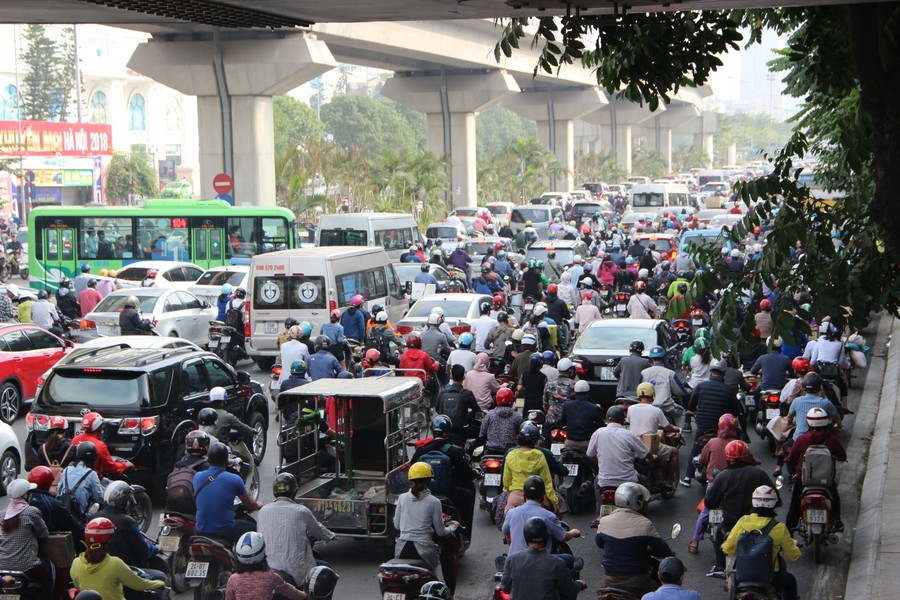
x=466, y=340
x=537, y=359
x=85, y=268
x=657, y=352
x=306, y=327
x=549, y=357
x=226, y=289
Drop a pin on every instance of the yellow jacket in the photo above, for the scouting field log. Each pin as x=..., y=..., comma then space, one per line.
x=782, y=542
x=522, y=464
x=108, y=577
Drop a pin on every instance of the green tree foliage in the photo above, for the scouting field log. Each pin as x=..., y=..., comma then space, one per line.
x=842, y=61
x=130, y=175
x=685, y=158
x=48, y=85
x=497, y=127
x=413, y=183
x=647, y=162
x=597, y=166
x=752, y=134
x=521, y=171
x=370, y=124
x=295, y=121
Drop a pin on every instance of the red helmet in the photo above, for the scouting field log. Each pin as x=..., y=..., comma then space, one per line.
x=736, y=451
x=42, y=477
x=757, y=230
x=413, y=340
x=800, y=365
x=552, y=288
x=99, y=531
x=373, y=355
x=498, y=299
x=58, y=422
x=505, y=397
x=92, y=421
x=587, y=296
x=640, y=286
x=764, y=304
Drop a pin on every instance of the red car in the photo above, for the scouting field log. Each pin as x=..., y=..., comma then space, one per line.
x=26, y=352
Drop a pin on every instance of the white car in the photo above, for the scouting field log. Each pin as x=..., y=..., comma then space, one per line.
x=174, y=313
x=169, y=274
x=209, y=285
x=10, y=457
x=460, y=311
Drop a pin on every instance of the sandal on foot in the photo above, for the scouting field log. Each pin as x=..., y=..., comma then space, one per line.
x=694, y=546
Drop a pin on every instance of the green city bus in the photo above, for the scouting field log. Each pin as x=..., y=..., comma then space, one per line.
x=207, y=233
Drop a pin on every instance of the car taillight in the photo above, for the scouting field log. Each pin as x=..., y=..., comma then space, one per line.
x=136, y=425
x=149, y=425
x=558, y=435
x=492, y=465
x=608, y=496
x=36, y=422
x=86, y=324
x=579, y=367
x=403, y=329
x=460, y=329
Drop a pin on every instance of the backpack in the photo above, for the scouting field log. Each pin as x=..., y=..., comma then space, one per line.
x=68, y=498
x=442, y=470
x=180, y=488
x=56, y=467
x=451, y=405
x=754, y=560
x=817, y=467
x=234, y=317
x=378, y=340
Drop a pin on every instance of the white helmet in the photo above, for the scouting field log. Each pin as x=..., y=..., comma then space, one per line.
x=540, y=309
x=817, y=417
x=735, y=253
x=529, y=340
x=382, y=317
x=218, y=394
x=582, y=386
x=577, y=258
x=564, y=365
x=117, y=494
x=250, y=548
x=295, y=332
x=18, y=488
x=433, y=319
x=643, y=274
x=437, y=310
x=632, y=495
x=764, y=497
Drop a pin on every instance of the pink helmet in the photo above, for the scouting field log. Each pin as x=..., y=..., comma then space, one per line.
x=336, y=314
x=356, y=301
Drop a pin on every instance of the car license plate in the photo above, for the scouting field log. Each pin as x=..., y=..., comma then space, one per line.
x=492, y=479
x=224, y=339
x=716, y=516
x=393, y=596
x=556, y=449
x=605, y=373
x=169, y=543
x=771, y=413
x=9, y=597
x=697, y=322
x=196, y=570
x=815, y=515
x=606, y=509
x=271, y=328
x=573, y=469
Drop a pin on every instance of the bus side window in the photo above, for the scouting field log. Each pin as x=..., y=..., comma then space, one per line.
x=67, y=251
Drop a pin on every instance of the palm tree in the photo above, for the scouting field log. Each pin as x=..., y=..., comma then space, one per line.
x=598, y=166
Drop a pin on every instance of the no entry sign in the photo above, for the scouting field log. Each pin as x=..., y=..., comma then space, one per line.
x=223, y=183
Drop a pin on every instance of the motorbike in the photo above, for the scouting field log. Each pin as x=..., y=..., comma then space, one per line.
x=816, y=525
x=139, y=508
x=491, y=484
x=175, y=532
x=611, y=593
x=621, y=303
x=605, y=298
x=22, y=586
x=220, y=341
x=558, y=548
x=240, y=460
x=683, y=330
x=769, y=408
x=578, y=485
x=699, y=318
x=211, y=563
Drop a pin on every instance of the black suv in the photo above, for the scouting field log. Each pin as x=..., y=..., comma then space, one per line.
x=149, y=399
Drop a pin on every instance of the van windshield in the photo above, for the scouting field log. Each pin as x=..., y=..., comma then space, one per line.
x=678, y=199
x=219, y=278
x=343, y=237
x=647, y=199
x=285, y=293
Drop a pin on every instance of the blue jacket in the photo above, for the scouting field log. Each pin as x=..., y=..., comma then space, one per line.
x=354, y=324
x=323, y=365
x=222, y=305
x=55, y=515
x=775, y=368
x=581, y=418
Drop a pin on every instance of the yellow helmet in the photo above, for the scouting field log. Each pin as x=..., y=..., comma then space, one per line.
x=527, y=223
x=104, y=272
x=113, y=273
x=646, y=389
x=420, y=470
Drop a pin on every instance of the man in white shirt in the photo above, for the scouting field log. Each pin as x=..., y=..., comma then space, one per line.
x=482, y=326
x=292, y=350
x=615, y=448
x=645, y=419
x=43, y=312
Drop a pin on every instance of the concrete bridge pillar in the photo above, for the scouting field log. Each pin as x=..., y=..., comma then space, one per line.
x=555, y=112
x=450, y=102
x=619, y=118
x=234, y=81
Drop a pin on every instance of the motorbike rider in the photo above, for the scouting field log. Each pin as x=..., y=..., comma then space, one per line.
x=665, y=381
x=514, y=522
x=215, y=490
x=291, y=351
x=581, y=417
x=383, y=338
x=128, y=542
x=425, y=277
x=289, y=529
x=763, y=501
x=813, y=398
x=415, y=358
x=523, y=462
x=226, y=421
x=629, y=370
x=830, y=357
x=709, y=401
x=671, y=575
x=587, y=313
x=80, y=481
x=629, y=541
x=556, y=308
x=533, y=281
x=91, y=424
x=89, y=298
x=557, y=393
x=323, y=364
x=486, y=283
x=646, y=419
x=462, y=493
x=55, y=515
x=483, y=326
x=820, y=432
x=774, y=366
x=499, y=336
x=459, y=404
x=353, y=320
x=641, y=305
x=463, y=355
x=527, y=347
x=253, y=577
x=732, y=491
x=531, y=384
x=504, y=269
x=434, y=343
x=222, y=305
x=615, y=449
x=298, y=377
x=236, y=307
x=66, y=300
x=549, y=369
x=763, y=319
x=56, y=451
x=535, y=573
x=130, y=321
x=481, y=382
x=501, y=424
x=552, y=269
x=22, y=533
x=418, y=517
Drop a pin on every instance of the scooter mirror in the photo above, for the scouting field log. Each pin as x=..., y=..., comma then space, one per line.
x=676, y=530
x=779, y=482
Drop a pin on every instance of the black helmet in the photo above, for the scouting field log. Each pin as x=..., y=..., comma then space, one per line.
x=534, y=488
x=43, y=295
x=441, y=426
x=529, y=432
x=207, y=416
x=377, y=308
x=637, y=346
x=322, y=342
x=435, y=590
x=290, y=322
x=88, y=595
x=320, y=583
x=535, y=530
x=197, y=441
x=812, y=383
x=615, y=414
x=86, y=452
x=217, y=455
x=65, y=282
x=502, y=317
x=240, y=293
x=682, y=288
x=484, y=307
x=425, y=267
x=285, y=484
